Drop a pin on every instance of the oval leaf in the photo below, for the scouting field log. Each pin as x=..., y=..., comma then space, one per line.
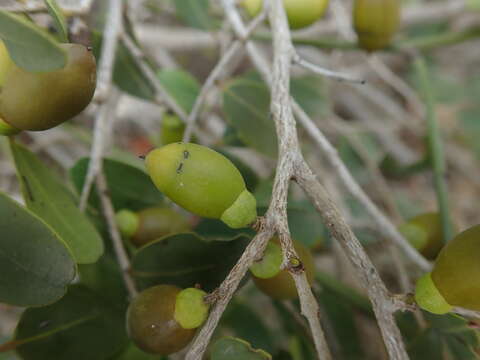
x=30, y=47
x=246, y=104
x=57, y=15
x=229, y=348
x=130, y=188
x=35, y=264
x=78, y=327
x=182, y=86
x=186, y=260
x=195, y=13
x=47, y=197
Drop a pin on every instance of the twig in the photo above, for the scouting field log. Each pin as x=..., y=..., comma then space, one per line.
x=276, y=216
x=120, y=252
x=161, y=96
x=436, y=151
x=225, y=293
x=385, y=227
x=325, y=72
x=289, y=155
x=113, y=27
x=382, y=302
x=220, y=69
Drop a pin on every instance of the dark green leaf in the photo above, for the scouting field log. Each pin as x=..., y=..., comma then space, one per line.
x=134, y=353
x=35, y=264
x=80, y=326
x=58, y=18
x=310, y=93
x=195, y=13
x=30, y=47
x=104, y=277
x=254, y=330
x=428, y=345
x=185, y=260
x=340, y=317
x=246, y=104
x=229, y=348
x=305, y=223
x=213, y=229
x=130, y=188
x=47, y=197
x=182, y=86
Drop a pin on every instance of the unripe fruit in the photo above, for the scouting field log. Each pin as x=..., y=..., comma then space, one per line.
x=6, y=129
x=127, y=222
x=42, y=100
x=300, y=13
x=375, y=22
x=171, y=130
x=5, y=62
x=203, y=182
x=282, y=286
x=425, y=233
x=152, y=318
x=455, y=278
x=156, y=222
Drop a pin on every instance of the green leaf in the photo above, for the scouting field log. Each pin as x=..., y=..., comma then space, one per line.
x=130, y=188
x=214, y=229
x=254, y=330
x=132, y=352
x=47, y=197
x=229, y=348
x=185, y=260
x=305, y=223
x=35, y=264
x=80, y=326
x=310, y=93
x=181, y=85
x=30, y=47
x=57, y=15
x=246, y=104
x=195, y=13
x=341, y=318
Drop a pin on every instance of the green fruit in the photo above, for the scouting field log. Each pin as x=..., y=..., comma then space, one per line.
x=127, y=222
x=191, y=311
x=172, y=129
x=300, y=13
x=455, y=275
x=151, y=323
x=40, y=101
x=269, y=265
x=157, y=222
x=203, y=182
x=375, y=22
x=282, y=286
x=6, y=129
x=425, y=234
x=5, y=62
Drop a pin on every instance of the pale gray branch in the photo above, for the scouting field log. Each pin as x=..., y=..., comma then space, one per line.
x=121, y=254
x=113, y=28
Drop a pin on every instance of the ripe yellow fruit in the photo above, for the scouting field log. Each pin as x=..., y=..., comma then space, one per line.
x=300, y=13
x=375, y=22
x=42, y=100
